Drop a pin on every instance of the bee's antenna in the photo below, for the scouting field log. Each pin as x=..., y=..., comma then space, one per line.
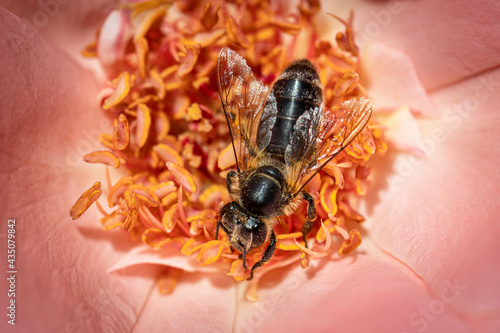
x=232, y=140
x=222, y=53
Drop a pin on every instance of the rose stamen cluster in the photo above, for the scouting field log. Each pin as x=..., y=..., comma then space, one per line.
x=171, y=142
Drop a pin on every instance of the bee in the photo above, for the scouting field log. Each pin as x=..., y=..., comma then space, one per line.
x=280, y=138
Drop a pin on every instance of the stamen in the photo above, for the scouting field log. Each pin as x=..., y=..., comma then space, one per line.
x=168, y=221
x=182, y=177
x=167, y=153
x=108, y=179
x=209, y=16
x=237, y=271
x=189, y=60
x=211, y=252
x=235, y=34
x=182, y=213
x=322, y=252
x=350, y=245
x=86, y=200
x=168, y=280
x=170, y=137
x=162, y=189
x=328, y=197
x=334, y=170
x=121, y=91
x=154, y=222
x=145, y=194
x=143, y=124
x=121, y=136
x=112, y=221
x=104, y=157
x=101, y=209
x=133, y=210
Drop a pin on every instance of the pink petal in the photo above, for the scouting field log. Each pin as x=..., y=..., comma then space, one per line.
x=69, y=25
x=439, y=214
x=144, y=255
x=403, y=131
x=447, y=42
x=393, y=80
x=50, y=120
x=354, y=294
x=196, y=304
x=113, y=38
x=438, y=219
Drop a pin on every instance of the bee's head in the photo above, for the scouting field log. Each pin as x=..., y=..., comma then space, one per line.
x=245, y=231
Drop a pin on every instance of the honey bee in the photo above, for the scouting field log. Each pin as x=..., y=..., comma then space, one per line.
x=281, y=138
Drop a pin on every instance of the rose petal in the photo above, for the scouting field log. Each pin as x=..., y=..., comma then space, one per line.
x=395, y=301
x=435, y=212
x=173, y=315
x=113, y=38
x=44, y=179
x=394, y=24
x=394, y=82
x=169, y=257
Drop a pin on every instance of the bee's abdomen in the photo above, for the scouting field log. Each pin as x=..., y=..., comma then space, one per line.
x=296, y=90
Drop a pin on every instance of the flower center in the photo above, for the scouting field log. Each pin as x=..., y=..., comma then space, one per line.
x=172, y=141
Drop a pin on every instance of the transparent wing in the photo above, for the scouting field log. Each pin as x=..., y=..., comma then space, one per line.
x=243, y=100
x=319, y=136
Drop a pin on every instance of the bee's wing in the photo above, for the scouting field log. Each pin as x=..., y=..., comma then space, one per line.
x=243, y=99
x=319, y=136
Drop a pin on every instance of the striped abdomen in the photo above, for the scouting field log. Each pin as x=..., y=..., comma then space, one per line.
x=296, y=90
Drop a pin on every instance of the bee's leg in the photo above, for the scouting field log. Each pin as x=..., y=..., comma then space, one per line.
x=311, y=215
x=267, y=254
x=217, y=230
x=229, y=180
x=226, y=209
x=244, y=259
x=219, y=224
